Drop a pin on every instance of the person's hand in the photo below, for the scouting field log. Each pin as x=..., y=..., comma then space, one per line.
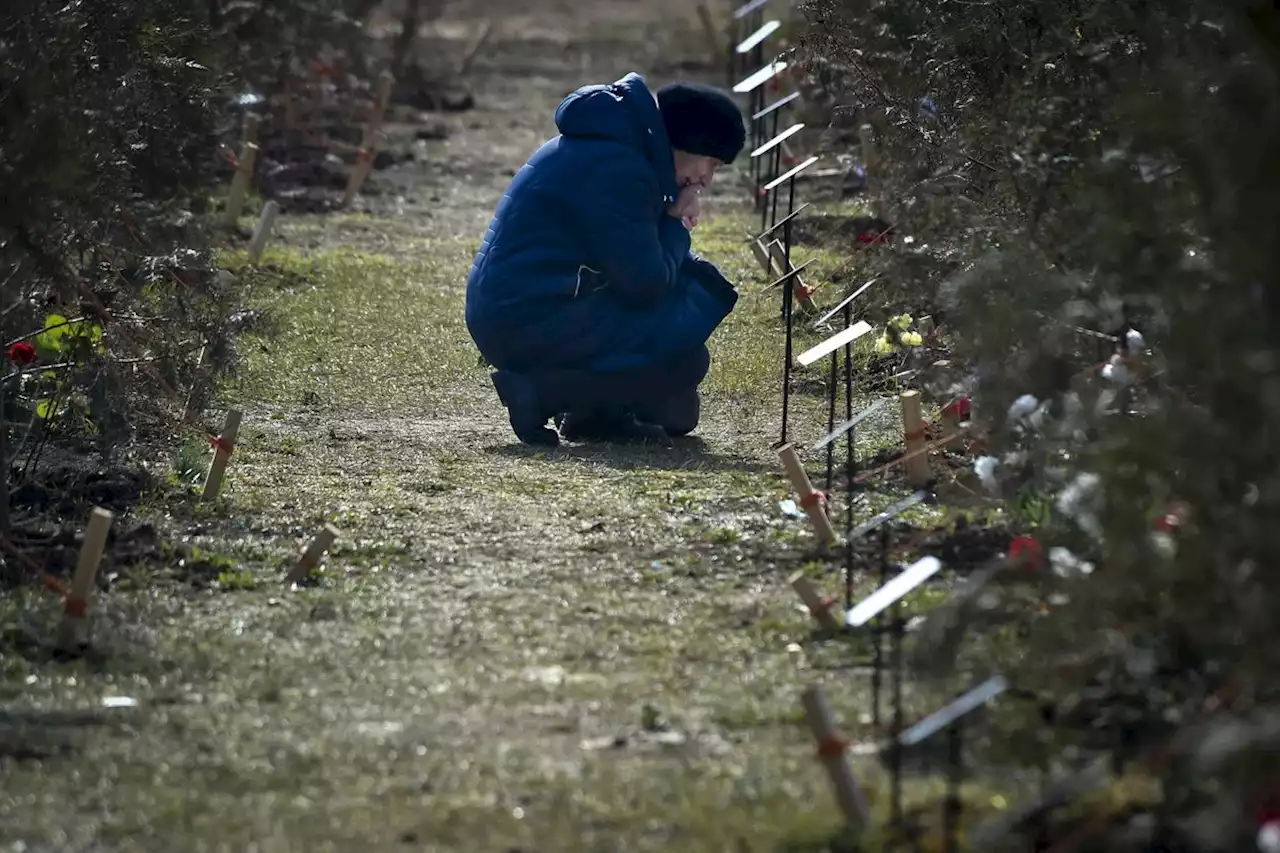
x=686, y=204
x=691, y=214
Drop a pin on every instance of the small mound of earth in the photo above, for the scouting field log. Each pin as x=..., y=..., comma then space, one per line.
x=967, y=546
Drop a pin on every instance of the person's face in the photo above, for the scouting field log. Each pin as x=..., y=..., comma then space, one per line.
x=694, y=169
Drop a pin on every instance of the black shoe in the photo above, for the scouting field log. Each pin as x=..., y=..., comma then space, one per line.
x=677, y=415
x=608, y=426
x=528, y=418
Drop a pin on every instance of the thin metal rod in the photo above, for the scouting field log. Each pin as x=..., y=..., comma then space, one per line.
x=899, y=630
x=787, y=302
x=833, y=381
x=877, y=663
x=953, y=806
x=850, y=465
x=786, y=250
x=775, y=226
x=776, y=105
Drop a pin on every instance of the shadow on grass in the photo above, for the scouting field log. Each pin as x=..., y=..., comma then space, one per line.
x=42, y=735
x=690, y=453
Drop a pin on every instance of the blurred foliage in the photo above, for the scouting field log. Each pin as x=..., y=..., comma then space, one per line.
x=1070, y=174
x=107, y=140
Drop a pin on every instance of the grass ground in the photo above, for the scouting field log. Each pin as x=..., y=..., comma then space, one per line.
x=588, y=649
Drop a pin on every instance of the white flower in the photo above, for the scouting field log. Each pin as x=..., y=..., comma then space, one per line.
x=1037, y=418
x=1134, y=340
x=985, y=468
x=1015, y=458
x=1082, y=493
x=1065, y=564
x=1081, y=501
x=1164, y=544
x=1115, y=371
x=1023, y=406
x=1269, y=837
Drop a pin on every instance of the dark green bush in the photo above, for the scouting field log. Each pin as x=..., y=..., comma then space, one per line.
x=111, y=118
x=1111, y=167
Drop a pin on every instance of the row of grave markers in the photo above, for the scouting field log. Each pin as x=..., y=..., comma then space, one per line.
x=373, y=137
x=72, y=636
x=882, y=611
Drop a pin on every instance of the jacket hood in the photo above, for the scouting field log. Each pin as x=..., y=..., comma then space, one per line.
x=625, y=111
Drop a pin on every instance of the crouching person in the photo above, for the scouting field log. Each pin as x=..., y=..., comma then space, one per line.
x=585, y=296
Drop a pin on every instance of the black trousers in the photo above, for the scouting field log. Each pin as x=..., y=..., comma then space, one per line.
x=665, y=393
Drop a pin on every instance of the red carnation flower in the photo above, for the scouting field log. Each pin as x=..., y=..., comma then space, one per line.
x=958, y=408
x=22, y=354
x=1027, y=549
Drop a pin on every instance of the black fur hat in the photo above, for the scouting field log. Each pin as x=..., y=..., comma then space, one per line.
x=702, y=120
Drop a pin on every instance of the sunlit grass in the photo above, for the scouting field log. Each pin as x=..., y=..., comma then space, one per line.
x=363, y=331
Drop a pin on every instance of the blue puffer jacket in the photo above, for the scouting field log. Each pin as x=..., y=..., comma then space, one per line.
x=581, y=266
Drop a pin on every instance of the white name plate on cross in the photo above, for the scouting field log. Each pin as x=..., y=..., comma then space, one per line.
x=834, y=342
x=875, y=603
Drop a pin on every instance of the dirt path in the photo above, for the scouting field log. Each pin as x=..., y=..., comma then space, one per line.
x=589, y=650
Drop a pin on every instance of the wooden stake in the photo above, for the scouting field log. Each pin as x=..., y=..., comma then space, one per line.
x=850, y=797
x=870, y=164
x=311, y=557
x=473, y=49
x=240, y=184
x=364, y=165
x=224, y=446
x=372, y=140
x=762, y=256
x=382, y=99
x=292, y=118
x=251, y=123
x=950, y=425
x=709, y=30
x=779, y=255
x=868, y=149
x=70, y=631
x=262, y=233
x=818, y=607
x=918, y=474
x=812, y=501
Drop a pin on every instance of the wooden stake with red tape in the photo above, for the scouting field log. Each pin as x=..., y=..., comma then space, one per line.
x=850, y=797
x=223, y=446
x=373, y=138
x=954, y=414
x=802, y=292
x=812, y=501
x=913, y=435
x=762, y=257
x=311, y=556
x=819, y=607
x=240, y=184
x=364, y=165
x=71, y=629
